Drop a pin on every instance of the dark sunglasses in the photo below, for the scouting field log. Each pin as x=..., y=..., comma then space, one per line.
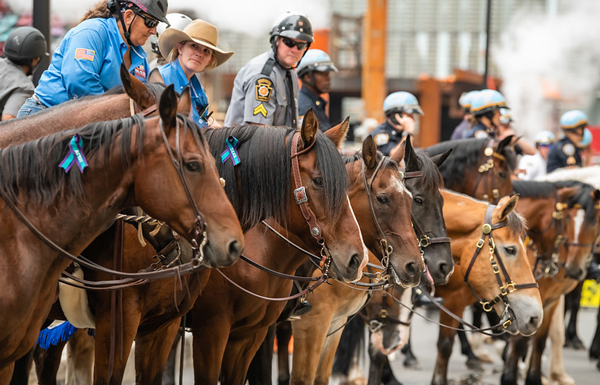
x=545, y=145
x=148, y=21
x=290, y=43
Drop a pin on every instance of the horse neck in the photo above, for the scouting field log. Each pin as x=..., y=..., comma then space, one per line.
x=537, y=212
x=64, y=117
x=456, y=208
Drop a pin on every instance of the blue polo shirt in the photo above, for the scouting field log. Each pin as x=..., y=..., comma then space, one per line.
x=88, y=62
x=172, y=73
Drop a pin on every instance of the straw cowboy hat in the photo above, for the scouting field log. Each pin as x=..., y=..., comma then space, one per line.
x=199, y=31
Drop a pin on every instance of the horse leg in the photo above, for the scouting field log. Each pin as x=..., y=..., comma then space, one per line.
x=284, y=335
x=473, y=362
x=210, y=339
x=534, y=373
x=387, y=375
x=376, y=367
x=261, y=367
x=21, y=370
x=152, y=348
x=327, y=356
x=169, y=370
x=515, y=349
x=557, y=339
x=595, y=346
x=237, y=357
x=572, y=302
x=446, y=338
x=47, y=362
x=410, y=360
x=6, y=373
x=80, y=358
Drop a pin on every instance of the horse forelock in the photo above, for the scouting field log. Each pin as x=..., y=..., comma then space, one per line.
x=432, y=178
x=517, y=224
x=534, y=189
x=31, y=169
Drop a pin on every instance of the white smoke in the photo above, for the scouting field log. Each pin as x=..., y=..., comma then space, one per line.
x=251, y=17
x=543, y=55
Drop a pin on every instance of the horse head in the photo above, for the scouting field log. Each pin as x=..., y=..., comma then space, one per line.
x=179, y=184
x=388, y=316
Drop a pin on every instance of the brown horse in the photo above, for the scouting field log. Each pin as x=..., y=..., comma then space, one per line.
x=230, y=325
x=37, y=194
x=584, y=209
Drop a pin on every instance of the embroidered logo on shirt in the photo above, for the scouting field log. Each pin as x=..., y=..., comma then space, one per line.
x=260, y=110
x=140, y=72
x=568, y=149
x=381, y=139
x=480, y=134
x=264, y=87
x=83, y=53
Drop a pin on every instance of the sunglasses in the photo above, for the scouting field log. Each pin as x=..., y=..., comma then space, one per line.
x=290, y=43
x=148, y=21
x=545, y=145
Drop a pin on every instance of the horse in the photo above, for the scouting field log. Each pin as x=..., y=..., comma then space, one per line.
x=314, y=349
x=38, y=193
x=481, y=168
x=584, y=209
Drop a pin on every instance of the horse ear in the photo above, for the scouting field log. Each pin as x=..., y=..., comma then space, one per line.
x=136, y=89
x=337, y=134
x=504, y=143
x=439, y=159
x=596, y=195
x=184, y=106
x=310, y=126
x=405, y=151
x=508, y=206
x=168, y=108
x=566, y=193
x=369, y=152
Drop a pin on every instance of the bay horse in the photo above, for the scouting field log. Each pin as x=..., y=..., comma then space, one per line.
x=314, y=347
x=37, y=194
x=584, y=209
x=230, y=324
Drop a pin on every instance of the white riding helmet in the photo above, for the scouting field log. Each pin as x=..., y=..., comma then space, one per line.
x=176, y=20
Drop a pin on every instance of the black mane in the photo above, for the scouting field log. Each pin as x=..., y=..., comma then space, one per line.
x=534, y=189
x=583, y=198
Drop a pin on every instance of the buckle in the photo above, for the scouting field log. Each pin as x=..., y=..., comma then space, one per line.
x=507, y=323
x=486, y=306
x=300, y=192
x=425, y=241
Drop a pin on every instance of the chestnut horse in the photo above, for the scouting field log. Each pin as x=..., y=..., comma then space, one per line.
x=230, y=324
x=584, y=209
x=37, y=193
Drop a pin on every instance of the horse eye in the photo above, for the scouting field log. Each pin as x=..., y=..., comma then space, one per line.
x=383, y=200
x=193, y=166
x=418, y=201
x=318, y=182
x=502, y=175
x=511, y=250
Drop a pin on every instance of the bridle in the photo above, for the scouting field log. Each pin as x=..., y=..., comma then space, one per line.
x=487, y=167
x=497, y=266
x=550, y=266
x=383, y=317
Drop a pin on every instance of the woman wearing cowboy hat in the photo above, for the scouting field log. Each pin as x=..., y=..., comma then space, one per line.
x=189, y=52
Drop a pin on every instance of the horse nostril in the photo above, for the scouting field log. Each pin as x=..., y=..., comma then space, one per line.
x=411, y=269
x=234, y=248
x=534, y=322
x=443, y=268
x=355, y=261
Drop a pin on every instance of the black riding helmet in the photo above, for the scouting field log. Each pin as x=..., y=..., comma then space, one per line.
x=24, y=44
x=293, y=26
x=155, y=8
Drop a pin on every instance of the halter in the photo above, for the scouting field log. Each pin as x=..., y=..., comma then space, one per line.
x=135, y=109
x=497, y=265
x=488, y=164
x=550, y=265
x=302, y=202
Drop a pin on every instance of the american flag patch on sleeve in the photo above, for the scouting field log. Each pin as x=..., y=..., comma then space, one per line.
x=87, y=54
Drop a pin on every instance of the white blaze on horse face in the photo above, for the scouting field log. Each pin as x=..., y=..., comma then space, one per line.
x=578, y=223
x=365, y=260
x=399, y=186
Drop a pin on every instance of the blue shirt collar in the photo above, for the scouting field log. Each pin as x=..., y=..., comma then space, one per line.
x=139, y=51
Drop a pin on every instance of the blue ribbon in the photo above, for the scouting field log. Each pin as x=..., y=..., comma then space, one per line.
x=74, y=156
x=231, y=152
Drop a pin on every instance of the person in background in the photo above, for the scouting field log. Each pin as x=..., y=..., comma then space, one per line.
x=265, y=90
x=533, y=166
x=566, y=152
x=485, y=107
x=504, y=129
x=586, y=148
x=176, y=20
x=468, y=120
x=190, y=52
x=315, y=73
x=24, y=49
x=401, y=109
x=89, y=57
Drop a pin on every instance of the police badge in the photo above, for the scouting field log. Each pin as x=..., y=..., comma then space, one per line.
x=264, y=87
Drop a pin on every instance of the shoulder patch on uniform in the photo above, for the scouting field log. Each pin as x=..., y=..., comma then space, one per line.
x=480, y=134
x=381, y=139
x=260, y=110
x=568, y=149
x=84, y=53
x=264, y=87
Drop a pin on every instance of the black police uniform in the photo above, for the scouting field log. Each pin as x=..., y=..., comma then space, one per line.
x=479, y=131
x=308, y=99
x=387, y=137
x=562, y=154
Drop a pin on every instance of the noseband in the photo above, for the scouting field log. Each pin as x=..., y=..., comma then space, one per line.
x=497, y=266
x=487, y=166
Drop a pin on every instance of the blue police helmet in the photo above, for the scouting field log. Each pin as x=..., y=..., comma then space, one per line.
x=544, y=138
x=587, y=138
x=466, y=99
x=401, y=102
x=487, y=100
x=573, y=119
x=315, y=60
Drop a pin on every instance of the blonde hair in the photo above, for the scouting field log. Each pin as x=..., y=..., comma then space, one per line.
x=98, y=11
x=174, y=54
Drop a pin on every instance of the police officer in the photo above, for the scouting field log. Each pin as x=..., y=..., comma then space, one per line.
x=566, y=152
x=265, y=91
x=88, y=60
x=315, y=72
x=485, y=107
x=465, y=125
x=400, y=109
x=24, y=49
x=534, y=166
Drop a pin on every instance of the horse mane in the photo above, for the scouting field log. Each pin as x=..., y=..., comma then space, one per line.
x=465, y=155
x=517, y=224
x=582, y=198
x=432, y=178
x=387, y=161
x=31, y=168
x=258, y=187
x=534, y=189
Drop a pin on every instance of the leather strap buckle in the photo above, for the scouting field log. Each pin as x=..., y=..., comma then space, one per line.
x=300, y=195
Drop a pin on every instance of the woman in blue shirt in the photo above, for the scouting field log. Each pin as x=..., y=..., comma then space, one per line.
x=190, y=52
x=89, y=57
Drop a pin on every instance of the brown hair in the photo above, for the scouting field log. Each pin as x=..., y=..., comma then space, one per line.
x=98, y=11
x=174, y=54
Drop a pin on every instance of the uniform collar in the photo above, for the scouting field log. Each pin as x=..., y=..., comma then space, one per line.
x=137, y=50
x=194, y=83
x=316, y=99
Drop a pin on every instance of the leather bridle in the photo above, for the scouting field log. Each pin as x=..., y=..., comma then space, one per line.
x=550, y=266
x=497, y=266
x=487, y=167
